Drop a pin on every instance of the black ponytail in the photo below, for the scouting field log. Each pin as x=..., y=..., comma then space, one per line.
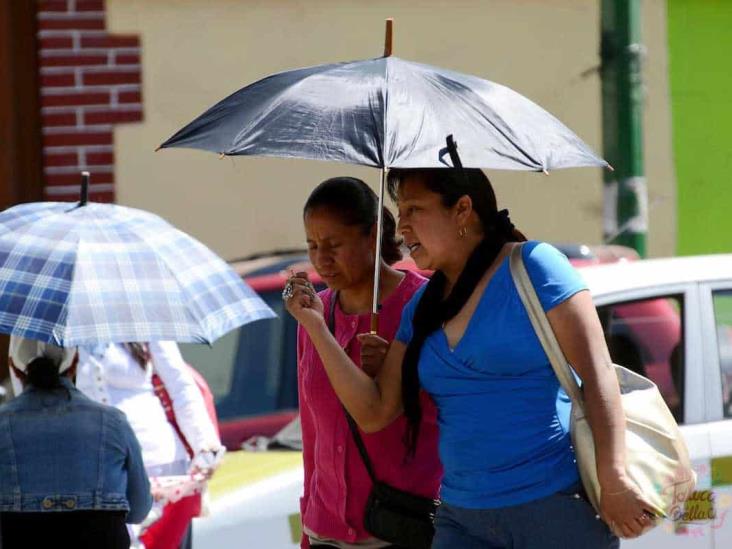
x=43, y=373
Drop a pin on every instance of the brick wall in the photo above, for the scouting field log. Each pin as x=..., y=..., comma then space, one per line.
x=90, y=81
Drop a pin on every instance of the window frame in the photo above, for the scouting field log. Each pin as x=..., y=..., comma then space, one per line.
x=712, y=365
x=696, y=409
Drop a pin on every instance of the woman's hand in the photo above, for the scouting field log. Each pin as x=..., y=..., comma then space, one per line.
x=579, y=332
x=373, y=353
x=302, y=301
x=624, y=509
x=207, y=461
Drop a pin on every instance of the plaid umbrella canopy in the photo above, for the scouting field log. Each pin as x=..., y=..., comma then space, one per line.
x=98, y=273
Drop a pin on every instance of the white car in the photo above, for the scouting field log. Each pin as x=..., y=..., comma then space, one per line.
x=672, y=319
x=669, y=319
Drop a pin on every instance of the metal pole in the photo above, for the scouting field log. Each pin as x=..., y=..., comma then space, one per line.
x=377, y=260
x=626, y=196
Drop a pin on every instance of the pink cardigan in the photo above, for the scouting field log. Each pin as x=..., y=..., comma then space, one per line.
x=336, y=482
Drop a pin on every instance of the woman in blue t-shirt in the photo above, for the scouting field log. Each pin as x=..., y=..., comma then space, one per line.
x=510, y=477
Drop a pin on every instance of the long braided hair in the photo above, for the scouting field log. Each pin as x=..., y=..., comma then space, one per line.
x=432, y=310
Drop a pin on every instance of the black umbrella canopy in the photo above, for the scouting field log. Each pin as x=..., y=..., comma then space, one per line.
x=386, y=113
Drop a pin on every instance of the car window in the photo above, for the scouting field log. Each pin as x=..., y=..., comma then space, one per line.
x=723, y=321
x=252, y=370
x=646, y=336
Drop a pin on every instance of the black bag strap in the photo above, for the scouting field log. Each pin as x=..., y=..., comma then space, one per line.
x=351, y=422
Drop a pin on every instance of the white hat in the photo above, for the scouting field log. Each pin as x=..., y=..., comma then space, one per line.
x=24, y=351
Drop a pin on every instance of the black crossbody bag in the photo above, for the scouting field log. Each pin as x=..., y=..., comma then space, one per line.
x=392, y=515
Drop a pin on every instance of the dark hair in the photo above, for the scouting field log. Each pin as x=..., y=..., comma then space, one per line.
x=451, y=185
x=356, y=204
x=42, y=373
x=432, y=310
x=140, y=352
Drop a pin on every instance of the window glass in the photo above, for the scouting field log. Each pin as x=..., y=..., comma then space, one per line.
x=646, y=336
x=723, y=321
x=251, y=370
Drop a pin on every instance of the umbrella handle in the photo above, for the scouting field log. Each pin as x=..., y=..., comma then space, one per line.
x=374, y=323
x=377, y=257
x=452, y=150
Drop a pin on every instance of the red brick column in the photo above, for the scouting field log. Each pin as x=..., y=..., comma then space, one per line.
x=90, y=80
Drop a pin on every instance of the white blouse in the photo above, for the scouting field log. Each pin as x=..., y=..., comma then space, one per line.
x=110, y=375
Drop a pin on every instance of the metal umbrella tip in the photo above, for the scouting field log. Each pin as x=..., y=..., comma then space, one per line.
x=609, y=167
x=545, y=171
x=388, y=37
x=158, y=148
x=84, y=195
x=221, y=155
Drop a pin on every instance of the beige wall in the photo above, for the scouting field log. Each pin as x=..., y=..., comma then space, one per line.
x=195, y=52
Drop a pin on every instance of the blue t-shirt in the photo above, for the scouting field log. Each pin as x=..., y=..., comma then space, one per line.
x=503, y=418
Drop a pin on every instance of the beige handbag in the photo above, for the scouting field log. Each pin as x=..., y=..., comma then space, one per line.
x=657, y=459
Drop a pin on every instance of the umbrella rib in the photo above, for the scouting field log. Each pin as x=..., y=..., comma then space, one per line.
x=64, y=315
x=278, y=97
x=531, y=160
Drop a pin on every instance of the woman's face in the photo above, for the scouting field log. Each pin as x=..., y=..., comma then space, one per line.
x=430, y=229
x=342, y=254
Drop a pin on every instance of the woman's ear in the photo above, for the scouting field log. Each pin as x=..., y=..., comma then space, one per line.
x=463, y=208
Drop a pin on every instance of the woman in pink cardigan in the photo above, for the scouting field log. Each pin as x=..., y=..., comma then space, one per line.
x=340, y=225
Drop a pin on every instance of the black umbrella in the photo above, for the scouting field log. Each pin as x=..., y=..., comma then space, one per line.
x=386, y=113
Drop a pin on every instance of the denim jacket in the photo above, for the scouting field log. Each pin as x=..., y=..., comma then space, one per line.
x=61, y=451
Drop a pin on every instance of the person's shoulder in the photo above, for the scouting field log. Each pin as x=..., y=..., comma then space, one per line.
x=114, y=415
x=10, y=406
x=414, y=279
x=162, y=345
x=538, y=252
x=553, y=276
x=542, y=257
x=111, y=415
x=81, y=399
x=416, y=295
x=410, y=284
x=96, y=352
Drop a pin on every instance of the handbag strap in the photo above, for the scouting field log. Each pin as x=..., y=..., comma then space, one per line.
x=543, y=329
x=351, y=422
x=166, y=401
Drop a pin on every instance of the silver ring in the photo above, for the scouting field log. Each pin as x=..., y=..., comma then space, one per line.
x=288, y=291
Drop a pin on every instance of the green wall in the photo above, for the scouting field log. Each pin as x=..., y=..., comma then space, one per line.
x=700, y=54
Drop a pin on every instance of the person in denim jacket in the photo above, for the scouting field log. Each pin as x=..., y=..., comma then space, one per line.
x=70, y=469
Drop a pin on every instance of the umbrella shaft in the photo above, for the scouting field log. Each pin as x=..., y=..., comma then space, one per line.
x=377, y=258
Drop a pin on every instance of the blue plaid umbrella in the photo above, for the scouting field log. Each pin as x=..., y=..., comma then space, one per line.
x=98, y=273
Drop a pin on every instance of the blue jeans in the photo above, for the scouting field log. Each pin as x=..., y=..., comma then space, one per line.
x=563, y=520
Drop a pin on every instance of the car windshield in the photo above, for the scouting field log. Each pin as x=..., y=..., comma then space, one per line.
x=250, y=369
